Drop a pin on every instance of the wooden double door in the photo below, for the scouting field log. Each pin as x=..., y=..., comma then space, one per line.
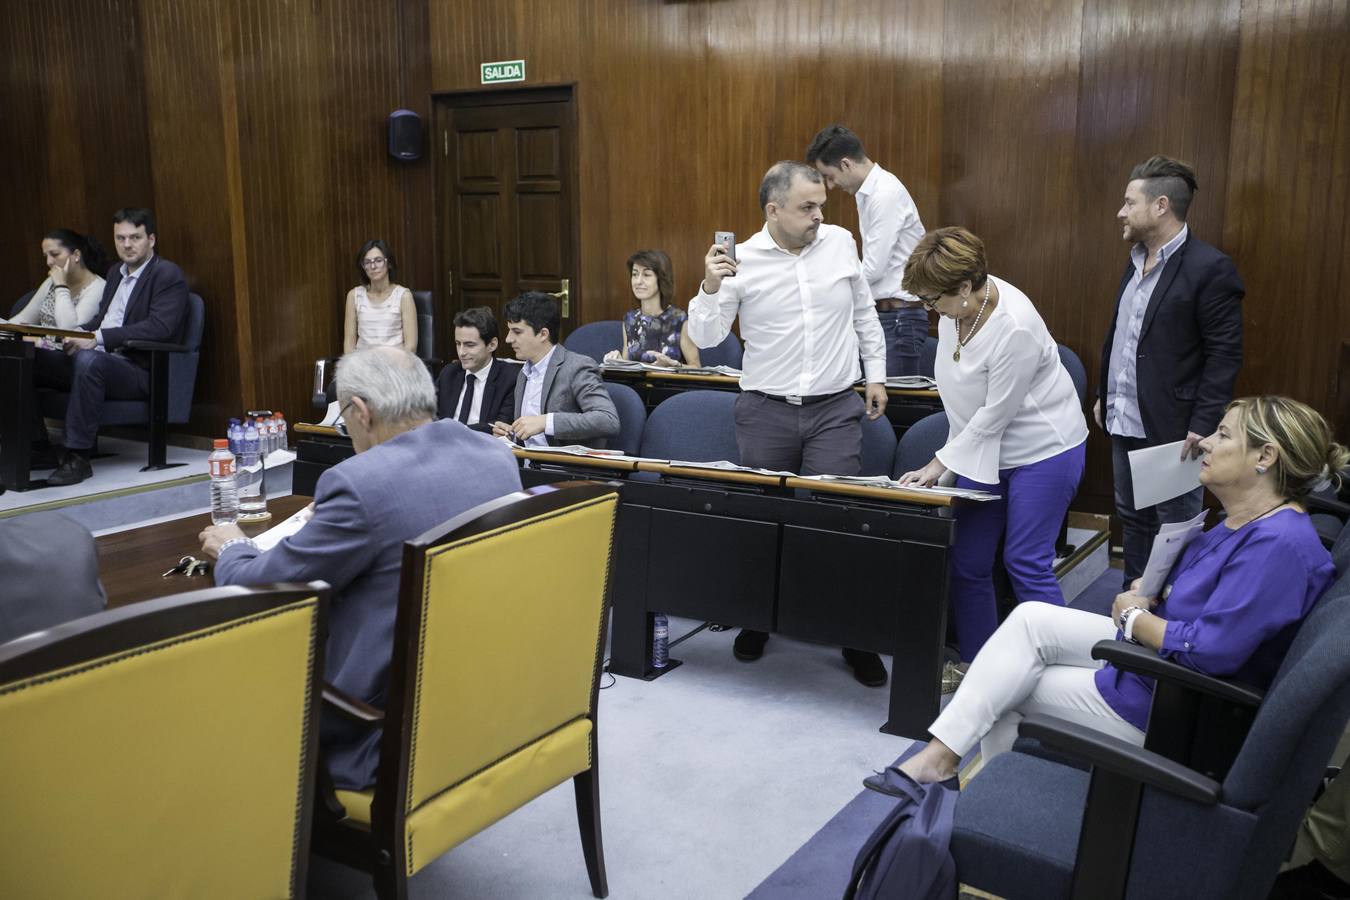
x=507, y=198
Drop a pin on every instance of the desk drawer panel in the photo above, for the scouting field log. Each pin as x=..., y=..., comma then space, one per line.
x=717, y=568
x=841, y=589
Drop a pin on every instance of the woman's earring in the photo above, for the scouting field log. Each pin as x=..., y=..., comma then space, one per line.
x=1260, y=470
x=965, y=303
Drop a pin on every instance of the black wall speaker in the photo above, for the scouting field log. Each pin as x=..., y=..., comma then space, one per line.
x=405, y=134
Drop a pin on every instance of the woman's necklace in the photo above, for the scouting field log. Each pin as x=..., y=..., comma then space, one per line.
x=956, y=357
x=1259, y=515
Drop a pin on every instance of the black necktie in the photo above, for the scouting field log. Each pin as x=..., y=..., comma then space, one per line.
x=467, y=405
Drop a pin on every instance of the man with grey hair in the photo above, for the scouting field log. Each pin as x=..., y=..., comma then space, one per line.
x=410, y=473
x=806, y=318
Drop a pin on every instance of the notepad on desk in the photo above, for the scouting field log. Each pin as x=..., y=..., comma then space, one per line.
x=277, y=533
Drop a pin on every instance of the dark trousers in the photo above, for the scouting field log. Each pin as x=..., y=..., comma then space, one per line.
x=90, y=376
x=822, y=438
x=1033, y=500
x=905, y=330
x=1140, y=526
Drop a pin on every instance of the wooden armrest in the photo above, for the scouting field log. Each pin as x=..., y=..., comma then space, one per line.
x=354, y=709
x=1143, y=661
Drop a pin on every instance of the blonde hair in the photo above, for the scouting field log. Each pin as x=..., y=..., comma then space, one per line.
x=942, y=260
x=1305, y=451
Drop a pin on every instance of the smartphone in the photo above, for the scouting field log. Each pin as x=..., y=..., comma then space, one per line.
x=726, y=239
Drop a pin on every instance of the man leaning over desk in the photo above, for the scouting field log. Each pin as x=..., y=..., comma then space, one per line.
x=806, y=317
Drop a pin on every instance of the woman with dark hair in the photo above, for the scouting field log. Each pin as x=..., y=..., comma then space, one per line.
x=380, y=312
x=654, y=332
x=73, y=289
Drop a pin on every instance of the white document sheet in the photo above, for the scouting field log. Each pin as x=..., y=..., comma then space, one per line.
x=274, y=535
x=1167, y=546
x=1159, y=474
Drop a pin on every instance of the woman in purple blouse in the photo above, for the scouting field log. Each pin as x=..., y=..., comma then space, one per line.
x=1229, y=607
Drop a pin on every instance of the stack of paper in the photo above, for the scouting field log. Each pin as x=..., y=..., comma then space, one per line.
x=1159, y=474
x=723, y=465
x=1167, y=546
x=884, y=482
x=912, y=382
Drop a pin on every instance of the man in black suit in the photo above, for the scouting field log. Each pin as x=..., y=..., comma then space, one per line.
x=487, y=394
x=144, y=299
x=1174, y=346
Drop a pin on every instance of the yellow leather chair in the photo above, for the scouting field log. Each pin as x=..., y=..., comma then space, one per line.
x=164, y=749
x=466, y=739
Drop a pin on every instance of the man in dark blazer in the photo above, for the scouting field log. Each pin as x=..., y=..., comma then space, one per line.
x=487, y=394
x=410, y=473
x=1173, y=348
x=144, y=299
x=560, y=397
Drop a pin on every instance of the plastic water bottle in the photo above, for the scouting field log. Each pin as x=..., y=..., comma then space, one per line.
x=252, y=501
x=236, y=437
x=224, y=497
x=284, y=442
x=660, y=641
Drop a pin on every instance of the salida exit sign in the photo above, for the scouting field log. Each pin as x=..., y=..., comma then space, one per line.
x=507, y=70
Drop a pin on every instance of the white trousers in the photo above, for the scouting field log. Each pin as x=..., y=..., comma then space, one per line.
x=1038, y=661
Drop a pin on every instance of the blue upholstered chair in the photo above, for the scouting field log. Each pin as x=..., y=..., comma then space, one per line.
x=928, y=356
x=727, y=353
x=693, y=426
x=1140, y=825
x=632, y=417
x=878, y=446
x=918, y=444
x=595, y=339
x=21, y=303
x=424, y=305
x=1077, y=373
x=173, y=377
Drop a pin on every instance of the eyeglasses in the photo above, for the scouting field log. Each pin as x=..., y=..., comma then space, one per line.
x=374, y=263
x=340, y=426
x=930, y=303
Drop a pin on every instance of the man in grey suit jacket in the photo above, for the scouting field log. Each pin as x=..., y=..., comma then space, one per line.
x=49, y=569
x=560, y=398
x=410, y=474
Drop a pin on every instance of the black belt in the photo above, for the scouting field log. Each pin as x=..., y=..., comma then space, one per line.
x=795, y=400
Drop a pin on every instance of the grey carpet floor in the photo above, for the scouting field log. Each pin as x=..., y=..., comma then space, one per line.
x=711, y=776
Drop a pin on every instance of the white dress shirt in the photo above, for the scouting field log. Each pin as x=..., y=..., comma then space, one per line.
x=1009, y=401
x=890, y=226
x=805, y=318
x=117, y=309
x=476, y=406
x=1122, y=389
x=532, y=404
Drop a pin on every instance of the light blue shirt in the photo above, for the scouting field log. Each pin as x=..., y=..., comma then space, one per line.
x=117, y=310
x=532, y=404
x=1122, y=387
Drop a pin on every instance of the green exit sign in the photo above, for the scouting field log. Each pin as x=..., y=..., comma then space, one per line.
x=507, y=70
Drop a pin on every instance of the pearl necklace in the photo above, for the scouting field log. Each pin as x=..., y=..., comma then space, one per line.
x=956, y=357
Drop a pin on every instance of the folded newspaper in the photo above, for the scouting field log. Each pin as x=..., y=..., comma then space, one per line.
x=723, y=465
x=883, y=482
x=912, y=382
x=630, y=365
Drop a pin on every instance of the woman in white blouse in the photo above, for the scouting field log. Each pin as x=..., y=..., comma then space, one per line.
x=1016, y=429
x=73, y=289
x=379, y=313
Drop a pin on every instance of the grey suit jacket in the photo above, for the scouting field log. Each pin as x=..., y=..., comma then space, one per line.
x=365, y=507
x=49, y=573
x=582, y=411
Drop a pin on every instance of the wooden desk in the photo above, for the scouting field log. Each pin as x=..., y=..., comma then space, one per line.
x=130, y=562
x=871, y=491
x=42, y=331
x=607, y=463
x=676, y=470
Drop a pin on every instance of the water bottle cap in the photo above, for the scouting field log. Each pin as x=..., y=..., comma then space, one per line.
x=222, y=444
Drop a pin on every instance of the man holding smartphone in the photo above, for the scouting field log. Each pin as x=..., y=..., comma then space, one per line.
x=890, y=226
x=806, y=317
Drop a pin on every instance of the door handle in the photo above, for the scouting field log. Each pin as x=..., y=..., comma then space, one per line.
x=565, y=296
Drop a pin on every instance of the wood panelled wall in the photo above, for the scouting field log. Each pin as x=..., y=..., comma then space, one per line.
x=255, y=129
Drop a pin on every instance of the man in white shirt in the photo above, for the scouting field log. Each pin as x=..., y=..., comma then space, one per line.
x=478, y=389
x=806, y=318
x=890, y=226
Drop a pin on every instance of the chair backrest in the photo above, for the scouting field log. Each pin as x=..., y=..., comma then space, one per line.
x=928, y=356
x=632, y=417
x=1340, y=551
x=1292, y=737
x=595, y=339
x=426, y=324
x=165, y=748
x=451, y=717
x=878, y=446
x=21, y=303
x=693, y=426
x=728, y=353
x=183, y=366
x=1077, y=373
x=919, y=442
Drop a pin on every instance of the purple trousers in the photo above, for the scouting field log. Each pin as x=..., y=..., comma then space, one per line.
x=1027, y=517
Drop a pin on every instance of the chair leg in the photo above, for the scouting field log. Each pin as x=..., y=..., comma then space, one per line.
x=390, y=882
x=587, y=786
